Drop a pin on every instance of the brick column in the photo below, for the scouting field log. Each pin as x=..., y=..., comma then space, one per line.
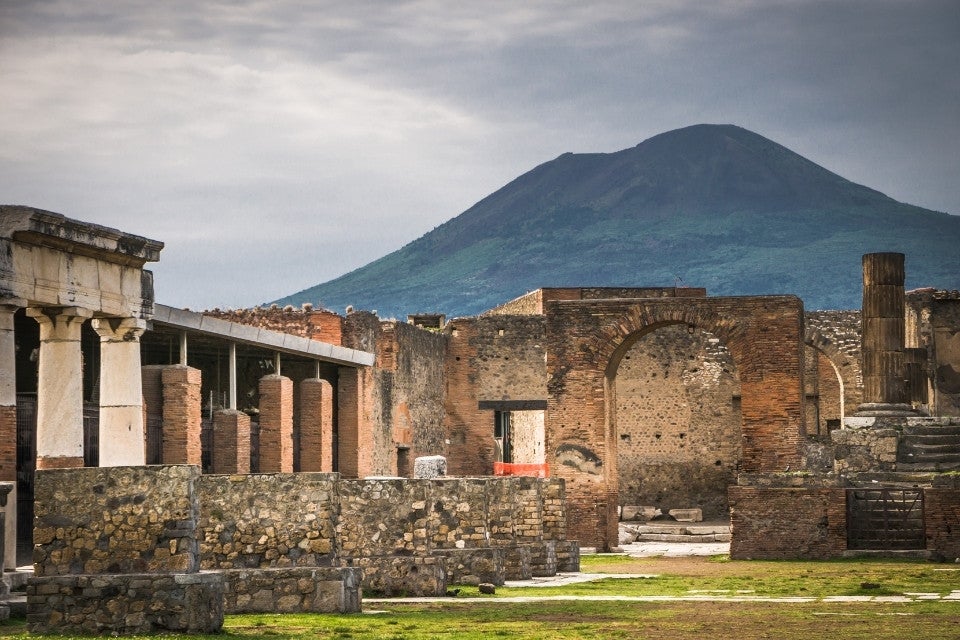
x=276, y=424
x=231, y=442
x=8, y=430
x=60, y=387
x=122, y=437
x=884, y=388
x=354, y=431
x=316, y=425
x=181, y=415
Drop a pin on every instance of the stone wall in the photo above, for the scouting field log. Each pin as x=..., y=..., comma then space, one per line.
x=391, y=528
x=126, y=604
x=836, y=336
x=98, y=520
x=933, y=324
x=678, y=422
x=116, y=551
x=268, y=520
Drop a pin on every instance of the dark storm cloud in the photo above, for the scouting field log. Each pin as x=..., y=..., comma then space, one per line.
x=277, y=144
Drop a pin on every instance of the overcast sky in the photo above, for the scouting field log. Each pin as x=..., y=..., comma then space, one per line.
x=276, y=144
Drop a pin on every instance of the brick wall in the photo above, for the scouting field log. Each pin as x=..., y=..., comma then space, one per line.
x=489, y=359
x=678, y=422
x=942, y=520
x=585, y=340
x=276, y=424
x=8, y=443
x=787, y=523
x=317, y=324
x=181, y=415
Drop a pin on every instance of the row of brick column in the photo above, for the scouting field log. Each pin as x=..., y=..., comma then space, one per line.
x=181, y=412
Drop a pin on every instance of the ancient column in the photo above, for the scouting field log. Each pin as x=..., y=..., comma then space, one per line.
x=8, y=430
x=182, y=415
x=276, y=424
x=60, y=387
x=884, y=389
x=316, y=425
x=231, y=442
x=122, y=438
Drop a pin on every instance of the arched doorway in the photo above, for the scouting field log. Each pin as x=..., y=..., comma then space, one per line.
x=586, y=341
x=677, y=422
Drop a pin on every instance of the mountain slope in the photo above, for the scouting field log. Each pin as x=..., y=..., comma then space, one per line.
x=708, y=205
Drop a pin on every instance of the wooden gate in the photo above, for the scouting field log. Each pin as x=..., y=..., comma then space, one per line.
x=885, y=519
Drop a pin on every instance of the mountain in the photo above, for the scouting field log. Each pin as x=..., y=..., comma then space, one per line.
x=714, y=206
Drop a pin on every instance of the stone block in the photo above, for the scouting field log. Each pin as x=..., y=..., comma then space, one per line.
x=125, y=604
x=403, y=575
x=429, y=467
x=474, y=566
x=687, y=515
x=292, y=590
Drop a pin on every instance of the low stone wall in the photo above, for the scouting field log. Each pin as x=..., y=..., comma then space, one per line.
x=402, y=575
x=268, y=520
x=474, y=566
x=330, y=521
x=292, y=590
x=125, y=604
x=115, y=520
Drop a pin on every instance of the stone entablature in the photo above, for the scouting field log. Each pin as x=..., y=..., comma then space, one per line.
x=47, y=259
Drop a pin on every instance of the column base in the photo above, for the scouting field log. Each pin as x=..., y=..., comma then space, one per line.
x=871, y=409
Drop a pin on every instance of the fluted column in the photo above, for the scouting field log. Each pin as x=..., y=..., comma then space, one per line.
x=884, y=388
x=122, y=440
x=60, y=387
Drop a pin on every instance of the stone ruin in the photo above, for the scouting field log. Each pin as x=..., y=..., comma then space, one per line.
x=541, y=410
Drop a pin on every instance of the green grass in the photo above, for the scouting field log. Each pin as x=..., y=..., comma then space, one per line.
x=474, y=619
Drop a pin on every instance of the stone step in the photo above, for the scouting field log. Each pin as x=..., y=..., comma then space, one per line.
x=681, y=529
x=930, y=440
x=667, y=537
x=928, y=466
x=932, y=430
x=930, y=456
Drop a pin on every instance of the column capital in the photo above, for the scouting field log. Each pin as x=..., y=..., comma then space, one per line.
x=119, y=329
x=52, y=314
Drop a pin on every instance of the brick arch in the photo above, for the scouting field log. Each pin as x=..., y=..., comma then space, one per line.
x=586, y=339
x=847, y=369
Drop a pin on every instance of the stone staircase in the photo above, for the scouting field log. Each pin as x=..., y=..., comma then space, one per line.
x=930, y=444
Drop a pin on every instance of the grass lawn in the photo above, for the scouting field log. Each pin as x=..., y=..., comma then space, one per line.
x=466, y=618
